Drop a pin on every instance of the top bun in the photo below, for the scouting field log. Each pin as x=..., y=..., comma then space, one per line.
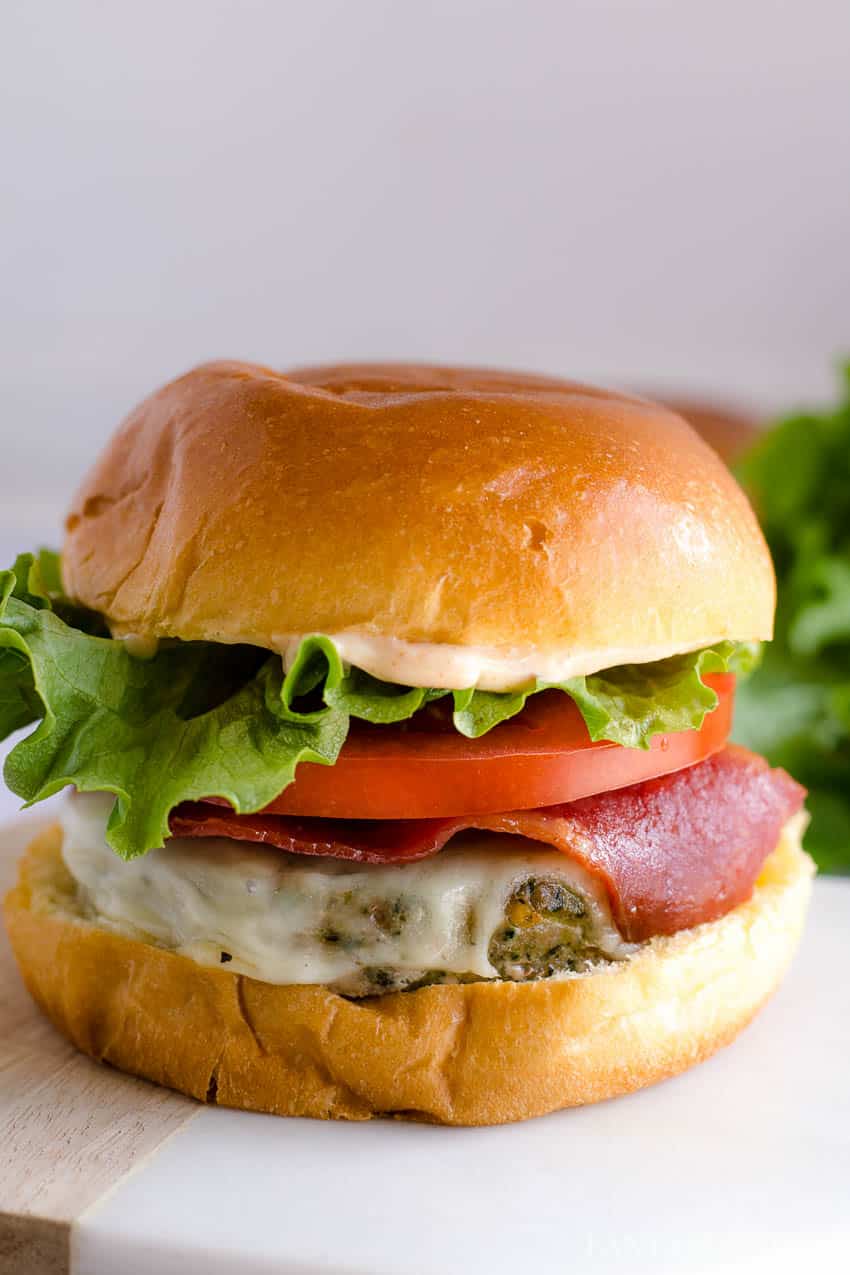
x=536, y=526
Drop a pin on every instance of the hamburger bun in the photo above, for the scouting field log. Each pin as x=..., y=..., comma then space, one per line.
x=471, y=1054
x=533, y=519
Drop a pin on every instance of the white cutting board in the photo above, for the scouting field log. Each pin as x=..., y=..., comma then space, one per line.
x=742, y=1164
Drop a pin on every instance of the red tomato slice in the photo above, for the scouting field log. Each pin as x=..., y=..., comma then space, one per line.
x=424, y=768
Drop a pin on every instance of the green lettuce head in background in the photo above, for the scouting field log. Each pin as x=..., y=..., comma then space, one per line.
x=796, y=709
x=201, y=719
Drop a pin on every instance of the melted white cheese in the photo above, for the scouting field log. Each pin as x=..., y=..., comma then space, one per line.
x=289, y=918
x=488, y=668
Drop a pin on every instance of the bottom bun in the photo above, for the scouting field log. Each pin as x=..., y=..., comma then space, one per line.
x=471, y=1054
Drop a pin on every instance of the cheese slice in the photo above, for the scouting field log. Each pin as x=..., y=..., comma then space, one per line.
x=487, y=906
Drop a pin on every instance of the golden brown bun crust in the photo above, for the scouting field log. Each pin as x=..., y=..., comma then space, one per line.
x=427, y=504
x=482, y=1053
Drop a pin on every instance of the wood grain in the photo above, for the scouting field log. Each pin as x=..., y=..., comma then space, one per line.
x=70, y=1129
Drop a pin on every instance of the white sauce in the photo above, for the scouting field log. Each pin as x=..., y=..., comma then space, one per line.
x=488, y=668
x=448, y=667
x=141, y=648
x=271, y=911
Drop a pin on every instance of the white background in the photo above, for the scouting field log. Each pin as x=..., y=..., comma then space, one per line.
x=644, y=191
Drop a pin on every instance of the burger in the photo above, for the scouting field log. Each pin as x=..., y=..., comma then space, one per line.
x=395, y=702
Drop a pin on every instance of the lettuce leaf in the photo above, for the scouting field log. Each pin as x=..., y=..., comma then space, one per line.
x=113, y=723
x=627, y=705
x=200, y=719
x=796, y=709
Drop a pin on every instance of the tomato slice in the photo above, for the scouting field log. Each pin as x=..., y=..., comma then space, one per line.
x=424, y=768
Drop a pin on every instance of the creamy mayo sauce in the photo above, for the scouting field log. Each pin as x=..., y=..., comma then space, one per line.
x=141, y=648
x=487, y=668
x=287, y=918
x=441, y=665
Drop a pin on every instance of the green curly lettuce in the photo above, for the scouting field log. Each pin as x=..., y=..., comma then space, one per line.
x=202, y=719
x=627, y=705
x=796, y=710
x=139, y=728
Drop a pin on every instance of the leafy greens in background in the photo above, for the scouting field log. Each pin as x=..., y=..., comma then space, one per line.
x=201, y=719
x=796, y=709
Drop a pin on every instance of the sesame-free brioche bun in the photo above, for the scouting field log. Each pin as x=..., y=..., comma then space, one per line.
x=525, y=516
x=477, y=1053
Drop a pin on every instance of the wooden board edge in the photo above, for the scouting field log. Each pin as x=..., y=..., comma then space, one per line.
x=34, y=1245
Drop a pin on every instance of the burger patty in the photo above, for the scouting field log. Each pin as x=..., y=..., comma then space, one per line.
x=489, y=906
